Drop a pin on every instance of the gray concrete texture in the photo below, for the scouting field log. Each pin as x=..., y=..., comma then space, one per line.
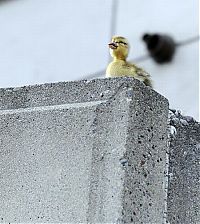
x=86, y=151
x=184, y=170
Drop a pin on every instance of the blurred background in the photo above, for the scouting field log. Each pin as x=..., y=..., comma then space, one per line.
x=61, y=40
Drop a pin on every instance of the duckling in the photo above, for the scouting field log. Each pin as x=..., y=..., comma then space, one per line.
x=119, y=49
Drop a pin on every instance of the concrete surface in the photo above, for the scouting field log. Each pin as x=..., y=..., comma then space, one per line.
x=87, y=151
x=184, y=171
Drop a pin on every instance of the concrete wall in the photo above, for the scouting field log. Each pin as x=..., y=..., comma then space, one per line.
x=184, y=170
x=83, y=152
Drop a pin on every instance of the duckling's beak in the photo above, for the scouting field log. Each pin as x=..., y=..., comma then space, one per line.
x=112, y=45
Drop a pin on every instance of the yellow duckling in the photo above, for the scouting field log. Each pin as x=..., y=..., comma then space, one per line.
x=119, y=49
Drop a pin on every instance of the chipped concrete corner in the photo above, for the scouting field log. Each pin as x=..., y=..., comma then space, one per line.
x=87, y=151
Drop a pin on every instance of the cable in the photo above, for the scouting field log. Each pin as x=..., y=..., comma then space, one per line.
x=113, y=22
x=114, y=10
x=144, y=57
x=188, y=41
x=103, y=71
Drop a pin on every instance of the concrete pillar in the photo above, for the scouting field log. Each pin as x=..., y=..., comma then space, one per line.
x=184, y=170
x=86, y=151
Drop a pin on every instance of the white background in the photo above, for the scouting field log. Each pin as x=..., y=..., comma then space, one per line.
x=61, y=40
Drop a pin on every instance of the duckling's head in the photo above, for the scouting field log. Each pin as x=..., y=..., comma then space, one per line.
x=119, y=47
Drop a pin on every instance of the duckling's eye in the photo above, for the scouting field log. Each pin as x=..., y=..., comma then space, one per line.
x=121, y=42
x=124, y=43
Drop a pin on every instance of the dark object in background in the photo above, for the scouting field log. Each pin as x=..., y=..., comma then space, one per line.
x=160, y=47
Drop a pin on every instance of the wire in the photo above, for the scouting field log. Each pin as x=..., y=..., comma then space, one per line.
x=103, y=71
x=188, y=41
x=113, y=22
x=144, y=57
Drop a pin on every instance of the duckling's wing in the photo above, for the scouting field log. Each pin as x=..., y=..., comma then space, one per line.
x=144, y=75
